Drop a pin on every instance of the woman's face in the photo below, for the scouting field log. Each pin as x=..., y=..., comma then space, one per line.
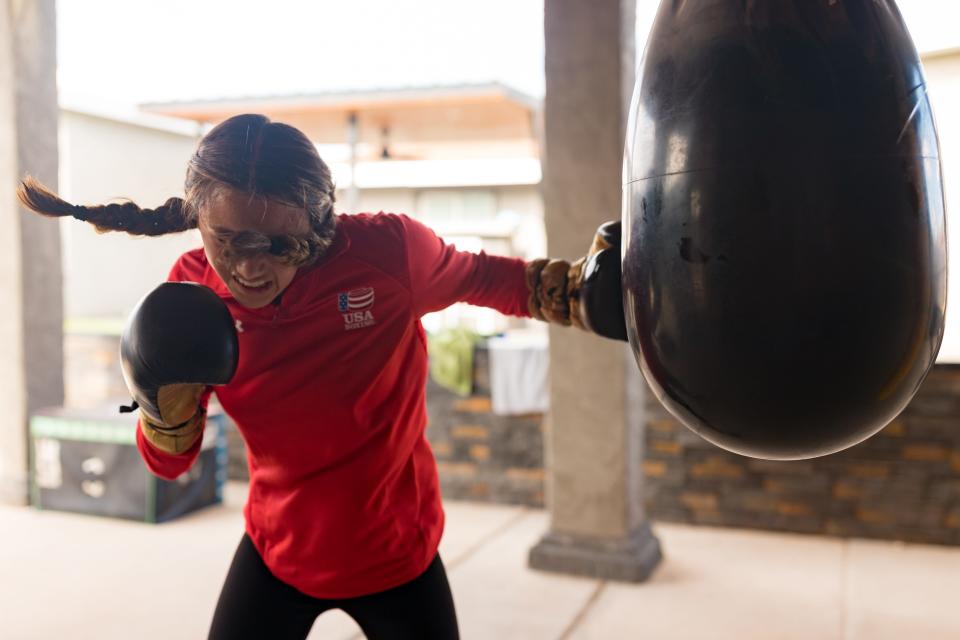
x=254, y=280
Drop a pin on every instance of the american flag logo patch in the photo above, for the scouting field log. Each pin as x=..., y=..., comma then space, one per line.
x=355, y=300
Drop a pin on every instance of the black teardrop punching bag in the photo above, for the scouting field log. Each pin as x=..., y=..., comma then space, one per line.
x=784, y=264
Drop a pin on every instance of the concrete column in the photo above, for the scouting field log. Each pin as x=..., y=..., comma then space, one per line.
x=31, y=325
x=595, y=425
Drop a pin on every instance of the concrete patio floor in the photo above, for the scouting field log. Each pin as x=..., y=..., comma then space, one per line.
x=75, y=576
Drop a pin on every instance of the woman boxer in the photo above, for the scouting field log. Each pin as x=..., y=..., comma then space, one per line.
x=344, y=507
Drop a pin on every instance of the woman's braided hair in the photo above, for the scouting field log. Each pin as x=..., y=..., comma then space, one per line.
x=249, y=153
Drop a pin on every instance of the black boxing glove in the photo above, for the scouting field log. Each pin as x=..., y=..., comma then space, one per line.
x=587, y=294
x=597, y=298
x=178, y=339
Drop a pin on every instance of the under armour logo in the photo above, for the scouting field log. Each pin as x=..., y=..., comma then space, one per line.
x=239, y=326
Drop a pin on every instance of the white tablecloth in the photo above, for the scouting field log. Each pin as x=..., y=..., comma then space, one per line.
x=519, y=373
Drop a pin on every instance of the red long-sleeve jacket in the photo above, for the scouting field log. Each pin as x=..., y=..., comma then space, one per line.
x=329, y=395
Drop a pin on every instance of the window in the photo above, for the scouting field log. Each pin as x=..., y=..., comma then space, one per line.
x=456, y=205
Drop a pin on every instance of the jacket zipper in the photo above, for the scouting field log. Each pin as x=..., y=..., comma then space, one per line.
x=276, y=313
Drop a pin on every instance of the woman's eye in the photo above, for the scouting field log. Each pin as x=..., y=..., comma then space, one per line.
x=278, y=245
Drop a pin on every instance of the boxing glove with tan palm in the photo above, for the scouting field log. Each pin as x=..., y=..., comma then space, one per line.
x=178, y=340
x=587, y=293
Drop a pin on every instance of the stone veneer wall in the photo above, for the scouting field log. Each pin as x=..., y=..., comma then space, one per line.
x=903, y=484
x=482, y=456
x=91, y=374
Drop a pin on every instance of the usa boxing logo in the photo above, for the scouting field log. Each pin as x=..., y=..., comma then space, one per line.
x=356, y=306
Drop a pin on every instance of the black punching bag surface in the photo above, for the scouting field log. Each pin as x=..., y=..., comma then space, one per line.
x=784, y=261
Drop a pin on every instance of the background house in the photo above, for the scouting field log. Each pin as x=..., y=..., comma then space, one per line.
x=463, y=159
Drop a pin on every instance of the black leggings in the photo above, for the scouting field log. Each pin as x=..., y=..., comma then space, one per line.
x=255, y=604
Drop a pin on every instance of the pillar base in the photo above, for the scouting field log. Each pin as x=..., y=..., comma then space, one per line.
x=629, y=560
x=14, y=491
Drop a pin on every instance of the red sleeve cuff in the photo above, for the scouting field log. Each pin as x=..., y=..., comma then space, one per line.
x=166, y=465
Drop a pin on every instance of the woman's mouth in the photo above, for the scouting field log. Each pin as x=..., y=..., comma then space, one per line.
x=252, y=286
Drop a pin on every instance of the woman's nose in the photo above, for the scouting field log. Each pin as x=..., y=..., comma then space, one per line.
x=251, y=266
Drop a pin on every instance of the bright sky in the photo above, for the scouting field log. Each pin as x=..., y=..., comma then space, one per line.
x=121, y=52
x=180, y=49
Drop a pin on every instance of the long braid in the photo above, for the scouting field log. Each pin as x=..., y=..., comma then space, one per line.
x=249, y=153
x=171, y=217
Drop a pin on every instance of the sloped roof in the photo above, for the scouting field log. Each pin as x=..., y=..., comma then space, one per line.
x=412, y=114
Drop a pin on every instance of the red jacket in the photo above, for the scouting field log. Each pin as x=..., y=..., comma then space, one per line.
x=329, y=396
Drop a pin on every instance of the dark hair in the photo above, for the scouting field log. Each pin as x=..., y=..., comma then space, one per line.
x=249, y=153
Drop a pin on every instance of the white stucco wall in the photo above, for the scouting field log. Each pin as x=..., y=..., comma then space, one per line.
x=943, y=83
x=104, y=160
